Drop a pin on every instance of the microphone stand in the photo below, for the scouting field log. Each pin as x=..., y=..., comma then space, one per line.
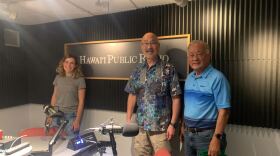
x=53, y=140
x=113, y=142
x=100, y=146
x=112, y=137
x=56, y=135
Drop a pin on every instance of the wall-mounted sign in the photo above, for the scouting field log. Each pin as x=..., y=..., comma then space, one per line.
x=116, y=59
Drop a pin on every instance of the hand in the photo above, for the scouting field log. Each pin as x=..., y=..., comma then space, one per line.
x=128, y=121
x=49, y=121
x=76, y=125
x=170, y=132
x=214, y=147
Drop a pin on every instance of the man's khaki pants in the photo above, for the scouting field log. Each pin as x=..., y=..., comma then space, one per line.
x=147, y=143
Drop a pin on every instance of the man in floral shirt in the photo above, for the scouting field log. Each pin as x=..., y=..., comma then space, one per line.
x=154, y=87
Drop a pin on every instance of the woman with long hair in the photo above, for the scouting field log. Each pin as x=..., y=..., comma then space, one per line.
x=69, y=94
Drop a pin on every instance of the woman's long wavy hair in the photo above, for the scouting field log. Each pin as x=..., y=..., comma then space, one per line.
x=77, y=72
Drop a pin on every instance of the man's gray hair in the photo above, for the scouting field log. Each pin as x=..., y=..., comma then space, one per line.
x=205, y=45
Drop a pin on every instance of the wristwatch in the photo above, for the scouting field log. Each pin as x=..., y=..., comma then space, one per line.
x=172, y=124
x=218, y=136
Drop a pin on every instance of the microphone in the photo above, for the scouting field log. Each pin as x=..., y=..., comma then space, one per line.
x=51, y=112
x=108, y=128
x=128, y=130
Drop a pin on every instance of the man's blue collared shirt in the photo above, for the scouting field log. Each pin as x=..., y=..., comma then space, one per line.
x=203, y=96
x=154, y=88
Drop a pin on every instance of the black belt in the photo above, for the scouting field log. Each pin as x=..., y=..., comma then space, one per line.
x=196, y=130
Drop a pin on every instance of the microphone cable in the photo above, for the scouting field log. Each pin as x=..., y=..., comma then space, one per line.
x=17, y=140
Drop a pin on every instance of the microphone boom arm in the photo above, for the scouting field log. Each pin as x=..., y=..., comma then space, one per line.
x=113, y=142
x=55, y=137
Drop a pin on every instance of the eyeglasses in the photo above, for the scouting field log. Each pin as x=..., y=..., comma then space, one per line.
x=198, y=55
x=152, y=43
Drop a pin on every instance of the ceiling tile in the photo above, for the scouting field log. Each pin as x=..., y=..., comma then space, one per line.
x=31, y=12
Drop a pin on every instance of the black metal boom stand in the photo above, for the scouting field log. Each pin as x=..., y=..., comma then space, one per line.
x=113, y=142
x=56, y=135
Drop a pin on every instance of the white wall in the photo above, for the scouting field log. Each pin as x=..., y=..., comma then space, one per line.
x=242, y=140
x=13, y=119
x=252, y=141
x=36, y=115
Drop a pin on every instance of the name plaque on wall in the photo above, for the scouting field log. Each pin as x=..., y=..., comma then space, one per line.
x=116, y=59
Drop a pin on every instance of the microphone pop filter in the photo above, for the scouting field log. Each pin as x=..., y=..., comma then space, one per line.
x=130, y=130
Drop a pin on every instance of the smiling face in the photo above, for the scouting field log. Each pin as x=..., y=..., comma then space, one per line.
x=198, y=56
x=150, y=46
x=69, y=64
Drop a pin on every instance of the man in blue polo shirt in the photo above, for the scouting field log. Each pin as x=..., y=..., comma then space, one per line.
x=207, y=103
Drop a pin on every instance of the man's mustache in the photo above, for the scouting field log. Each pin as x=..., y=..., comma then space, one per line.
x=149, y=50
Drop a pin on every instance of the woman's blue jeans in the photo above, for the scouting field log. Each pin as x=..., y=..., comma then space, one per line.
x=68, y=128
